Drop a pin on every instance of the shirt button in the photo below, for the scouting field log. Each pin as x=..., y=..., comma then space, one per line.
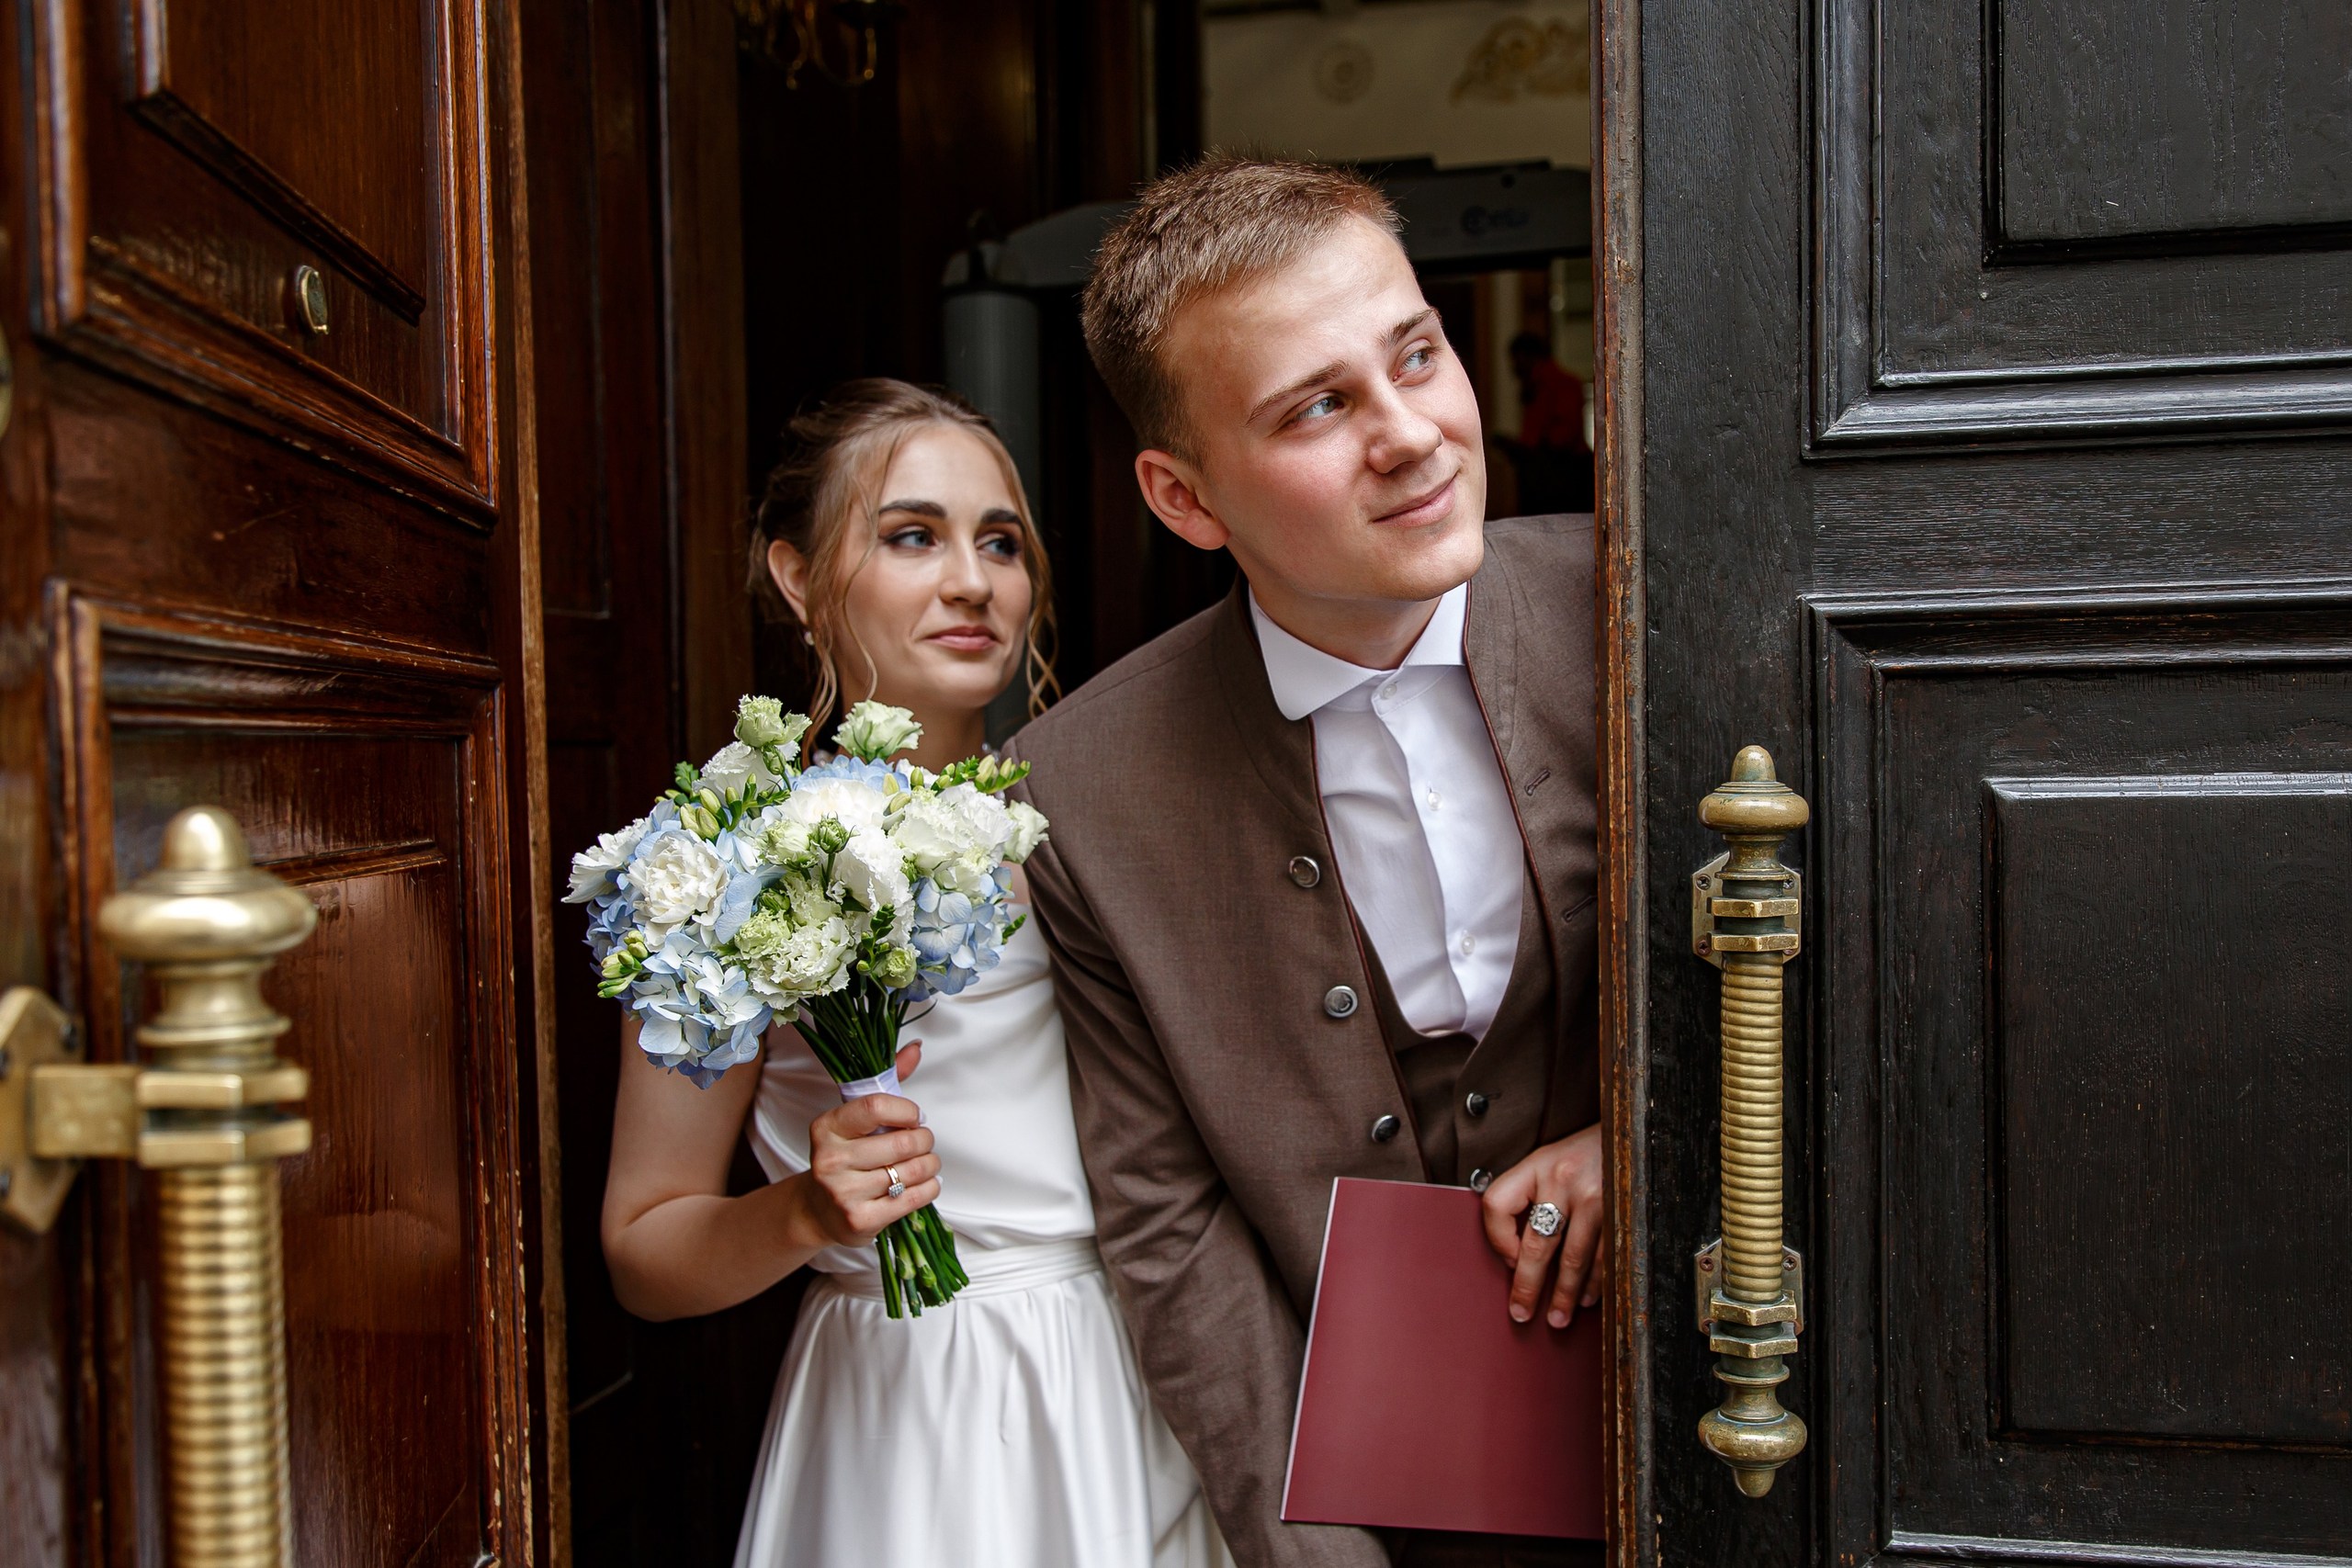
x=1475, y=1104
x=1340, y=1001
x=1469, y=943
x=1305, y=871
x=1481, y=1178
x=1431, y=798
x=1388, y=693
x=1386, y=1128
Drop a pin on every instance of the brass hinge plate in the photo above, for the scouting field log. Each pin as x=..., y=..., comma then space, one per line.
x=1708, y=905
x=1712, y=1307
x=34, y=1034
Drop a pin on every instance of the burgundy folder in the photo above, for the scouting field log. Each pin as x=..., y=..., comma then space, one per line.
x=1422, y=1405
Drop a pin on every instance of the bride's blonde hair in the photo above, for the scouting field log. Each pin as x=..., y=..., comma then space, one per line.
x=823, y=498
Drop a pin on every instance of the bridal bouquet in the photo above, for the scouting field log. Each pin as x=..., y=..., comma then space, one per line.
x=835, y=895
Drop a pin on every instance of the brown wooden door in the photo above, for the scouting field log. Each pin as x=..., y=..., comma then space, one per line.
x=1979, y=383
x=268, y=543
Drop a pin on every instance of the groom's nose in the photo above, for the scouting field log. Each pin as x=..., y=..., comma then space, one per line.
x=1402, y=436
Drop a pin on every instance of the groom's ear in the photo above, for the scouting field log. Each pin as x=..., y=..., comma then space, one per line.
x=1172, y=489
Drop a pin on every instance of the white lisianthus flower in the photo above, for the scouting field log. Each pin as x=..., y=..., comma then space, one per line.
x=1028, y=830
x=734, y=765
x=762, y=721
x=872, y=869
x=782, y=841
x=592, y=868
x=854, y=805
x=874, y=731
x=674, y=878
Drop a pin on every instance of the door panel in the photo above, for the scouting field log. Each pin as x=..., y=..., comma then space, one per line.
x=1977, y=442
x=291, y=574
x=2041, y=220
x=2077, y=872
x=197, y=152
x=369, y=775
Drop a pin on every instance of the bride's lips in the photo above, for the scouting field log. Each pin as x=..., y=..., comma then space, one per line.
x=965, y=639
x=1426, y=508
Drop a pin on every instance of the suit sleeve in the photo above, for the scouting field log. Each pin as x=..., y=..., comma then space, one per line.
x=1219, y=1342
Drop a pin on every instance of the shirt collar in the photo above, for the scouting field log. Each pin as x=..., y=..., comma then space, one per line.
x=1305, y=679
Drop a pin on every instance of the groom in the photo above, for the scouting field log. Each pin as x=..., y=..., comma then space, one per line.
x=1320, y=884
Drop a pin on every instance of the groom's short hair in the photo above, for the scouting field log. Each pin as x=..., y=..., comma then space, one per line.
x=1224, y=220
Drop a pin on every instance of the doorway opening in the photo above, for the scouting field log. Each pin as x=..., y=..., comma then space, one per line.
x=839, y=214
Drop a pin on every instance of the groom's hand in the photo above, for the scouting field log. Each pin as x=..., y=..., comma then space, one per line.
x=1567, y=1174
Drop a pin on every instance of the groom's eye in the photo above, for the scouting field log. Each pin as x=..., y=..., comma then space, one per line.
x=1322, y=407
x=1420, y=359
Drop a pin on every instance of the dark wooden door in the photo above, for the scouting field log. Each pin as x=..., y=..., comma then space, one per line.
x=1979, y=380
x=270, y=544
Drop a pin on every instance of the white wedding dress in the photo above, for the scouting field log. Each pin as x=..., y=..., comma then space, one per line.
x=1009, y=1428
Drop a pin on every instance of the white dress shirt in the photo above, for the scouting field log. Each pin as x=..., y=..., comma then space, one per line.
x=1420, y=818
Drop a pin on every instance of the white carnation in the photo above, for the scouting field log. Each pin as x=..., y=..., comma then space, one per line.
x=872, y=869
x=933, y=833
x=852, y=802
x=592, y=868
x=679, y=878
x=1028, y=830
x=983, y=814
x=788, y=963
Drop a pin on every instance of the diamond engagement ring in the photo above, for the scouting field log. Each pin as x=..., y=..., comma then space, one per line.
x=1545, y=1219
x=899, y=1188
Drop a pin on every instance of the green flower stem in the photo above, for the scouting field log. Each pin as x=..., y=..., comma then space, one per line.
x=854, y=1033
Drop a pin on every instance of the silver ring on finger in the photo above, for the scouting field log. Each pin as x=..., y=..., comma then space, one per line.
x=898, y=1187
x=1545, y=1219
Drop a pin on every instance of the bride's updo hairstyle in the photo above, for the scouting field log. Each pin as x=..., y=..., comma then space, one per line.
x=823, y=500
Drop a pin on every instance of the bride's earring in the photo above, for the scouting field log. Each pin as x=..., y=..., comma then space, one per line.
x=809, y=637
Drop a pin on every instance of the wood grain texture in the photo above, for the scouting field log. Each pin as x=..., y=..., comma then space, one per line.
x=1620, y=617
x=2170, y=977
x=1930, y=329
x=281, y=576
x=702, y=226
x=2122, y=605
x=1931, y=714
x=2121, y=121
x=170, y=257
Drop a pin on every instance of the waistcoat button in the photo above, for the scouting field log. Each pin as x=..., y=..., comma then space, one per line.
x=1386, y=1128
x=1475, y=1104
x=1340, y=1001
x=1481, y=1180
x=1305, y=871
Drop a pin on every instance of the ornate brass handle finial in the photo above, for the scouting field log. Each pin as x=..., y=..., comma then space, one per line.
x=1745, y=919
x=206, y=1115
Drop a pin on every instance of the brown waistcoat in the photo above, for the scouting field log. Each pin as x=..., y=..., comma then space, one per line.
x=1449, y=1088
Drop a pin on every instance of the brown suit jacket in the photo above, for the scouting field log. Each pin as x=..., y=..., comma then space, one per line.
x=1216, y=1097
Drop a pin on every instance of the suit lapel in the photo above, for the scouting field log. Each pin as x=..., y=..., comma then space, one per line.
x=1281, y=750
x=1491, y=648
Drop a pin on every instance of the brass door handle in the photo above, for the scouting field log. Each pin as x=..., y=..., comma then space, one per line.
x=204, y=1113
x=1747, y=911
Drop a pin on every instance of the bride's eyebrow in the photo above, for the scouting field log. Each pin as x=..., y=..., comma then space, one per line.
x=919, y=508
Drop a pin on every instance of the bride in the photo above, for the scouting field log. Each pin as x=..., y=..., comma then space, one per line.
x=1010, y=1428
